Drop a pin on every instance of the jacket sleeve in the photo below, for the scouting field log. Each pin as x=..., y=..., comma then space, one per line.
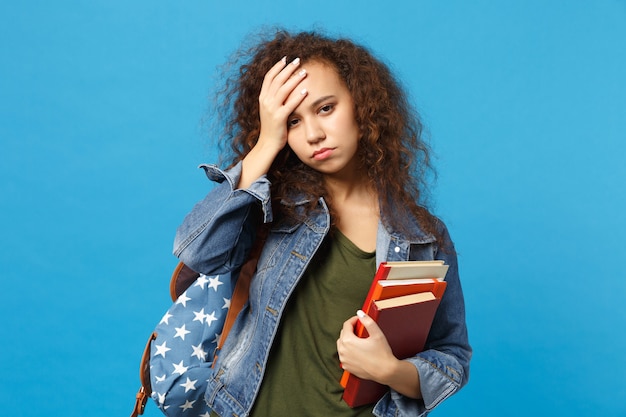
x=216, y=236
x=443, y=366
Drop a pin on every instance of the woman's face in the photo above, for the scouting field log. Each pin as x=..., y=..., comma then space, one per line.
x=322, y=130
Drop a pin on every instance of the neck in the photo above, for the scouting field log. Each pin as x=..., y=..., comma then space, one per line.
x=355, y=210
x=342, y=189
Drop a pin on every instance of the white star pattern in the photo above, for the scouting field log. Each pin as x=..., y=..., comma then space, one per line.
x=188, y=404
x=165, y=318
x=183, y=299
x=161, y=350
x=215, y=282
x=183, y=346
x=210, y=318
x=181, y=332
x=201, y=281
x=180, y=368
x=189, y=385
x=199, y=316
x=198, y=352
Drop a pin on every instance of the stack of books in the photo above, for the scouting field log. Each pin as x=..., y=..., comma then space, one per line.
x=403, y=300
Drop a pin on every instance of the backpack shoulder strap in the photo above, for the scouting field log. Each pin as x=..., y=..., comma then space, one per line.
x=242, y=288
x=144, y=376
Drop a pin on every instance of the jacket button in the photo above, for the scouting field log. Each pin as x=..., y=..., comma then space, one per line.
x=397, y=249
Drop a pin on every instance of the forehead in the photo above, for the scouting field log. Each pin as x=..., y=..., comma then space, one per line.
x=322, y=78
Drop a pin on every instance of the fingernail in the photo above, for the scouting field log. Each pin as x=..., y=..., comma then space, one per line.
x=284, y=59
x=303, y=91
x=296, y=61
x=302, y=72
x=360, y=314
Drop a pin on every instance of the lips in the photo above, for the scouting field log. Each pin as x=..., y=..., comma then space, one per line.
x=322, y=154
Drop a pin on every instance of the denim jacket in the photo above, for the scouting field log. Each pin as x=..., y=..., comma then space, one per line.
x=216, y=237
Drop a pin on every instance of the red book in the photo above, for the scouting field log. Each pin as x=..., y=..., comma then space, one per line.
x=386, y=289
x=394, y=279
x=405, y=321
x=402, y=270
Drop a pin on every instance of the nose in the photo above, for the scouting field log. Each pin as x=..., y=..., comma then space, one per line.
x=313, y=131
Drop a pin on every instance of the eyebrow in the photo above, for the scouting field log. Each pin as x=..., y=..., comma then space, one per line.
x=316, y=103
x=321, y=100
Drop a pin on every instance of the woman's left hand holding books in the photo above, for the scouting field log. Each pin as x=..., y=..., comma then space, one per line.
x=372, y=358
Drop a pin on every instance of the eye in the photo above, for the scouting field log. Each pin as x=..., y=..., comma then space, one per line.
x=327, y=108
x=292, y=123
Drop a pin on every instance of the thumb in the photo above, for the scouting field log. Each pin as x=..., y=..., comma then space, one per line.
x=369, y=323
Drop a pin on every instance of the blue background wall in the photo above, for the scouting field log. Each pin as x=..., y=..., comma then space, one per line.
x=100, y=135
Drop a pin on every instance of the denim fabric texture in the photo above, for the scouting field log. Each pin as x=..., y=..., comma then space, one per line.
x=216, y=237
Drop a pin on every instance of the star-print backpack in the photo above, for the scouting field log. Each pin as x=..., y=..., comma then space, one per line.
x=183, y=346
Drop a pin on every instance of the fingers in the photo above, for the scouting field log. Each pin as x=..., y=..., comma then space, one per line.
x=348, y=339
x=282, y=79
x=347, y=332
x=364, y=356
x=272, y=73
x=349, y=324
x=370, y=325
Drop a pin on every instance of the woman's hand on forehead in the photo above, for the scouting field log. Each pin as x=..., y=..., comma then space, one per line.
x=276, y=101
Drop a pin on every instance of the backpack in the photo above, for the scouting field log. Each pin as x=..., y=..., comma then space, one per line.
x=187, y=340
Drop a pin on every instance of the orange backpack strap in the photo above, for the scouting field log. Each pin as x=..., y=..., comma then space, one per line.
x=144, y=376
x=242, y=288
x=239, y=298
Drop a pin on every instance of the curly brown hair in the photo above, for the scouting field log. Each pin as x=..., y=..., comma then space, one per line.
x=392, y=151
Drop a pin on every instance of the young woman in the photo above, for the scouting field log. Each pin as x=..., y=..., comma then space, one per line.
x=329, y=167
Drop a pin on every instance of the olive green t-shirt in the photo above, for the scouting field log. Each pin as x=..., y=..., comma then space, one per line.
x=303, y=372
